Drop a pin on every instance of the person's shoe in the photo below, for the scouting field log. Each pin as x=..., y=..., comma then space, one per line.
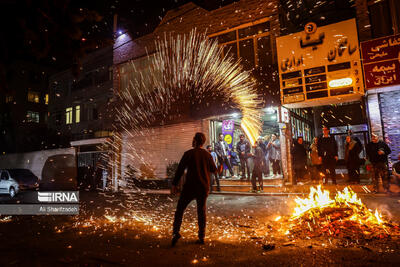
x=175, y=239
x=200, y=241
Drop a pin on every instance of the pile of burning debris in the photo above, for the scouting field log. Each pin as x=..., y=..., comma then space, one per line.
x=345, y=217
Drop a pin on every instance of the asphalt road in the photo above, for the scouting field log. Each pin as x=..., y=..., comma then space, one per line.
x=134, y=230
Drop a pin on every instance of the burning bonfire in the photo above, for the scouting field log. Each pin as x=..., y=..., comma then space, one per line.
x=344, y=216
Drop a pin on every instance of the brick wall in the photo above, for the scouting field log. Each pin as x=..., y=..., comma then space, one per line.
x=161, y=145
x=390, y=110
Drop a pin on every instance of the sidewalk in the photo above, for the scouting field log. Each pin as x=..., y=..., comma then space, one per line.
x=276, y=190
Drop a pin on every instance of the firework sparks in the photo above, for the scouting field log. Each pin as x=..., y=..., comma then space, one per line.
x=187, y=72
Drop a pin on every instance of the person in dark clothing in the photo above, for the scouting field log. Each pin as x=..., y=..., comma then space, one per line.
x=353, y=148
x=222, y=150
x=258, y=159
x=377, y=153
x=199, y=164
x=328, y=154
x=264, y=150
x=299, y=156
x=243, y=149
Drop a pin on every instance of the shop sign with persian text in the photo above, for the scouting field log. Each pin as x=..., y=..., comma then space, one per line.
x=381, y=61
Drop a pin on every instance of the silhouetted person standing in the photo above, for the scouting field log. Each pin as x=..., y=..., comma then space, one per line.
x=378, y=152
x=328, y=154
x=258, y=159
x=243, y=149
x=199, y=164
x=299, y=155
x=353, y=148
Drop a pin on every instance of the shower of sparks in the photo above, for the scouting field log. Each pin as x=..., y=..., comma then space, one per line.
x=186, y=75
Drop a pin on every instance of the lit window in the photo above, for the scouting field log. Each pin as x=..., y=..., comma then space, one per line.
x=68, y=115
x=46, y=99
x=33, y=96
x=32, y=116
x=77, y=114
x=9, y=98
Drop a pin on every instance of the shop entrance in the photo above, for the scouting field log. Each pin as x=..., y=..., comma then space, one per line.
x=270, y=127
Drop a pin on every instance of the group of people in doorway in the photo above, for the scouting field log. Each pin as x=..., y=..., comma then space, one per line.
x=322, y=155
x=265, y=153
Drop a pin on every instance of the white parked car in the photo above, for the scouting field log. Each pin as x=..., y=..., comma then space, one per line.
x=7, y=184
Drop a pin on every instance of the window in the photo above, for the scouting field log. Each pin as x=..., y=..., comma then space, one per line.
x=9, y=98
x=68, y=115
x=33, y=96
x=252, y=43
x=380, y=17
x=77, y=114
x=46, y=99
x=32, y=116
x=4, y=175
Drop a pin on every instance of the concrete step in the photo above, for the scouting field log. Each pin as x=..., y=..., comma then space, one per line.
x=245, y=182
x=305, y=189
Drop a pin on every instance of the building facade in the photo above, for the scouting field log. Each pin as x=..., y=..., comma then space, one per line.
x=78, y=106
x=23, y=109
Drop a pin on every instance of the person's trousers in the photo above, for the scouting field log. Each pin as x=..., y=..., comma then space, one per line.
x=244, y=166
x=299, y=173
x=224, y=159
x=354, y=174
x=266, y=167
x=315, y=172
x=276, y=167
x=380, y=170
x=183, y=202
x=214, y=178
x=329, y=170
x=257, y=174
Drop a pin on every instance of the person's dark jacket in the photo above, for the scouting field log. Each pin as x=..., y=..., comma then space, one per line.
x=258, y=158
x=199, y=164
x=372, y=152
x=263, y=148
x=327, y=148
x=352, y=152
x=299, y=155
x=243, y=147
x=219, y=149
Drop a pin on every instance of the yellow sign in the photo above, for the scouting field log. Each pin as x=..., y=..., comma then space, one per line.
x=228, y=139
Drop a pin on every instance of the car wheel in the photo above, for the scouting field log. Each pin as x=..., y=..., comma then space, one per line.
x=12, y=192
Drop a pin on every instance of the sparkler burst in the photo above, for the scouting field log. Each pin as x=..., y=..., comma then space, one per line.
x=187, y=75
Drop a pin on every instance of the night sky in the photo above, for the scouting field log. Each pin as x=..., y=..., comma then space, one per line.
x=58, y=33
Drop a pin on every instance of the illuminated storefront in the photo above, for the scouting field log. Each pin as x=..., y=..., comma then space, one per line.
x=321, y=81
